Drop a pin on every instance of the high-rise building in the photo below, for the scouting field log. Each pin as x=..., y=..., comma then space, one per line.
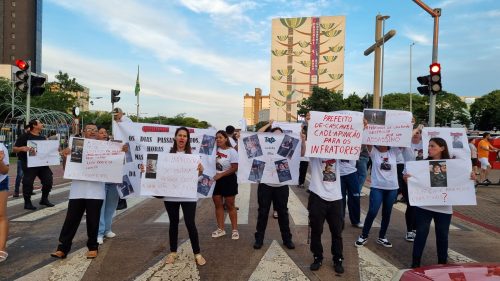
x=253, y=105
x=21, y=32
x=305, y=52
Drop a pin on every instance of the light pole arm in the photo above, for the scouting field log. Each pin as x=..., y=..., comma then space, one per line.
x=428, y=9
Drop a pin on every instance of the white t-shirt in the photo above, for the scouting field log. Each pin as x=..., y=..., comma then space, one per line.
x=473, y=151
x=232, y=142
x=384, y=171
x=225, y=157
x=418, y=149
x=347, y=167
x=87, y=190
x=5, y=159
x=325, y=178
x=125, y=119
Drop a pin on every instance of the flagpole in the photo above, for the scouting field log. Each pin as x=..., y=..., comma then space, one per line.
x=137, y=94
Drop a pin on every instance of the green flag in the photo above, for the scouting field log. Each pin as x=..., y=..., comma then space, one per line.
x=137, y=84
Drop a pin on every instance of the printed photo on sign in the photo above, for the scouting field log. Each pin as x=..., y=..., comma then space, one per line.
x=283, y=170
x=329, y=171
x=287, y=147
x=207, y=145
x=256, y=171
x=385, y=165
x=151, y=164
x=33, y=148
x=204, y=184
x=457, y=142
x=128, y=154
x=126, y=186
x=77, y=150
x=419, y=154
x=438, y=176
x=252, y=146
x=375, y=117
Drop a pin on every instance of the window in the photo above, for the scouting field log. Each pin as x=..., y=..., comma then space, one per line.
x=13, y=35
x=12, y=58
x=13, y=25
x=13, y=14
x=13, y=3
x=13, y=47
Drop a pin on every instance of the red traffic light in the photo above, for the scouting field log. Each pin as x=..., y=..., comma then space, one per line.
x=22, y=64
x=435, y=68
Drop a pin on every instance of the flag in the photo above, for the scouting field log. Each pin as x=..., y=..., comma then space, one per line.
x=137, y=84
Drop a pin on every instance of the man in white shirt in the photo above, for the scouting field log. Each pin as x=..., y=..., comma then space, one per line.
x=119, y=116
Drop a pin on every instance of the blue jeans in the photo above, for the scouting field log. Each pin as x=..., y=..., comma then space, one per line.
x=386, y=199
x=108, y=209
x=442, y=227
x=349, y=185
x=19, y=176
x=362, y=166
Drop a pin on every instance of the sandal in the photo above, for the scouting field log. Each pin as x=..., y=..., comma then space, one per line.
x=3, y=255
x=200, y=260
x=170, y=259
x=235, y=235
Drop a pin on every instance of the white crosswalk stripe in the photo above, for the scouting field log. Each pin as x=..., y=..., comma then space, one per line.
x=43, y=213
x=243, y=203
x=297, y=210
x=163, y=218
x=38, y=195
x=372, y=267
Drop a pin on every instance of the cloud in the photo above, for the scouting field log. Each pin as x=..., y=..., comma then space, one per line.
x=492, y=14
x=419, y=38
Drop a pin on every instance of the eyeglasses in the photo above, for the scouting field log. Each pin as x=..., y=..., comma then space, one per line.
x=91, y=130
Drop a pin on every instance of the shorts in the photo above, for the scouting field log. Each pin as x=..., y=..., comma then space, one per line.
x=474, y=161
x=485, y=164
x=226, y=186
x=4, y=185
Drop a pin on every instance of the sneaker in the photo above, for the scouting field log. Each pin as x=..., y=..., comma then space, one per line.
x=275, y=214
x=16, y=194
x=100, y=240
x=362, y=194
x=235, y=235
x=358, y=225
x=384, y=242
x=361, y=241
x=218, y=233
x=257, y=245
x=110, y=234
x=337, y=265
x=410, y=236
x=316, y=264
x=487, y=181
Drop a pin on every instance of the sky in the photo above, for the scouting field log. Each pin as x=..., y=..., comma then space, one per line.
x=199, y=57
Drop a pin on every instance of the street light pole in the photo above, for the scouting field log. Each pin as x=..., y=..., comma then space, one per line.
x=411, y=96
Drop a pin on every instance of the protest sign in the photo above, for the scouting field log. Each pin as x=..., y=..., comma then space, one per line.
x=440, y=182
x=269, y=158
x=388, y=127
x=288, y=128
x=334, y=135
x=158, y=139
x=43, y=153
x=170, y=174
x=94, y=160
x=456, y=139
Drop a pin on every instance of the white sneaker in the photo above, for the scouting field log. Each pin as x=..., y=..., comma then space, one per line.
x=218, y=233
x=100, y=240
x=110, y=234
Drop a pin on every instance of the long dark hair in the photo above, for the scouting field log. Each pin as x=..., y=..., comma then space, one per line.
x=224, y=134
x=187, y=148
x=441, y=143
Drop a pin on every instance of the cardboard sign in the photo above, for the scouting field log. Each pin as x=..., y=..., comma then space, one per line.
x=456, y=140
x=43, y=153
x=388, y=127
x=288, y=128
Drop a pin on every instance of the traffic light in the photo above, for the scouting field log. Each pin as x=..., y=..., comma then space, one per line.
x=435, y=78
x=37, y=85
x=425, y=82
x=115, y=96
x=23, y=76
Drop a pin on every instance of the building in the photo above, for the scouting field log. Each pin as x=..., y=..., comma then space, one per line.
x=21, y=32
x=253, y=105
x=305, y=52
x=468, y=101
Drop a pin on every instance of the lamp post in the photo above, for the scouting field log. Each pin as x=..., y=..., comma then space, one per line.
x=411, y=95
x=382, y=18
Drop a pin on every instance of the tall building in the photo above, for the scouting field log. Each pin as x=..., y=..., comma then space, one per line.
x=253, y=105
x=21, y=32
x=305, y=52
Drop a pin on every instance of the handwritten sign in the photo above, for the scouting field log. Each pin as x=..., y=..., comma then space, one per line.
x=171, y=174
x=43, y=153
x=440, y=182
x=334, y=135
x=388, y=127
x=456, y=139
x=94, y=160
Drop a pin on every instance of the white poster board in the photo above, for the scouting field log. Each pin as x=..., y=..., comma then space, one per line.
x=43, y=153
x=170, y=174
x=456, y=139
x=288, y=127
x=334, y=135
x=440, y=182
x=94, y=160
x=388, y=127
x=269, y=158
x=143, y=138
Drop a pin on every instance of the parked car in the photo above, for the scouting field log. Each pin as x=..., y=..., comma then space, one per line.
x=451, y=272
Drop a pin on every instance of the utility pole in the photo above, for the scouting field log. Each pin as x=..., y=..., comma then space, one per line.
x=435, y=13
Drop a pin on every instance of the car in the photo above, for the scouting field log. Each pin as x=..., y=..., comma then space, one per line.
x=451, y=272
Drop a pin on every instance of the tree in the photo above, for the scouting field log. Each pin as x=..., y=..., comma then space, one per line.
x=321, y=100
x=58, y=95
x=450, y=108
x=67, y=84
x=484, y=111
x=353, y=102
x=178, y=120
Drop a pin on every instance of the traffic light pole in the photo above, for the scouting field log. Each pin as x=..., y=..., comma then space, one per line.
x=28, y=96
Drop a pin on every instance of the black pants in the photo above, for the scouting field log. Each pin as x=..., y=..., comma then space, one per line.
x=43, y=173
x=303, y=171
x=189, y=210
x=279, y=197
x=410, y=210
x=331, y=211
x=76, y=208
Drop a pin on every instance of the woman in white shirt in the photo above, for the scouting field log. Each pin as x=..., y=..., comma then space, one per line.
x=4, y=193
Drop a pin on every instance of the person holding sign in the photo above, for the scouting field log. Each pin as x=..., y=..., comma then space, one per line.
x=4, y=193
x=226, y=185
x=437, y=150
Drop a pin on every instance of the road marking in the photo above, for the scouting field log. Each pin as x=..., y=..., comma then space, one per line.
x=372, y=267
x=296, y=209
x=131, y=203
x=243, y=203
x=163, y=218
x=277, y=265
x=459, y=258
x=12, y=241
x=184, y=267
x=42, y=213
x=20, y=200
x=71, y=269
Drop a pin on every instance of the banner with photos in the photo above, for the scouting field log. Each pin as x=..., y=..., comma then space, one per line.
x=43, y=153
x=456, y=139
x=388, y=127
x=269, y=158
x=287, y=127
x=94, y=160
x=144, y=139
x=440, y=182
